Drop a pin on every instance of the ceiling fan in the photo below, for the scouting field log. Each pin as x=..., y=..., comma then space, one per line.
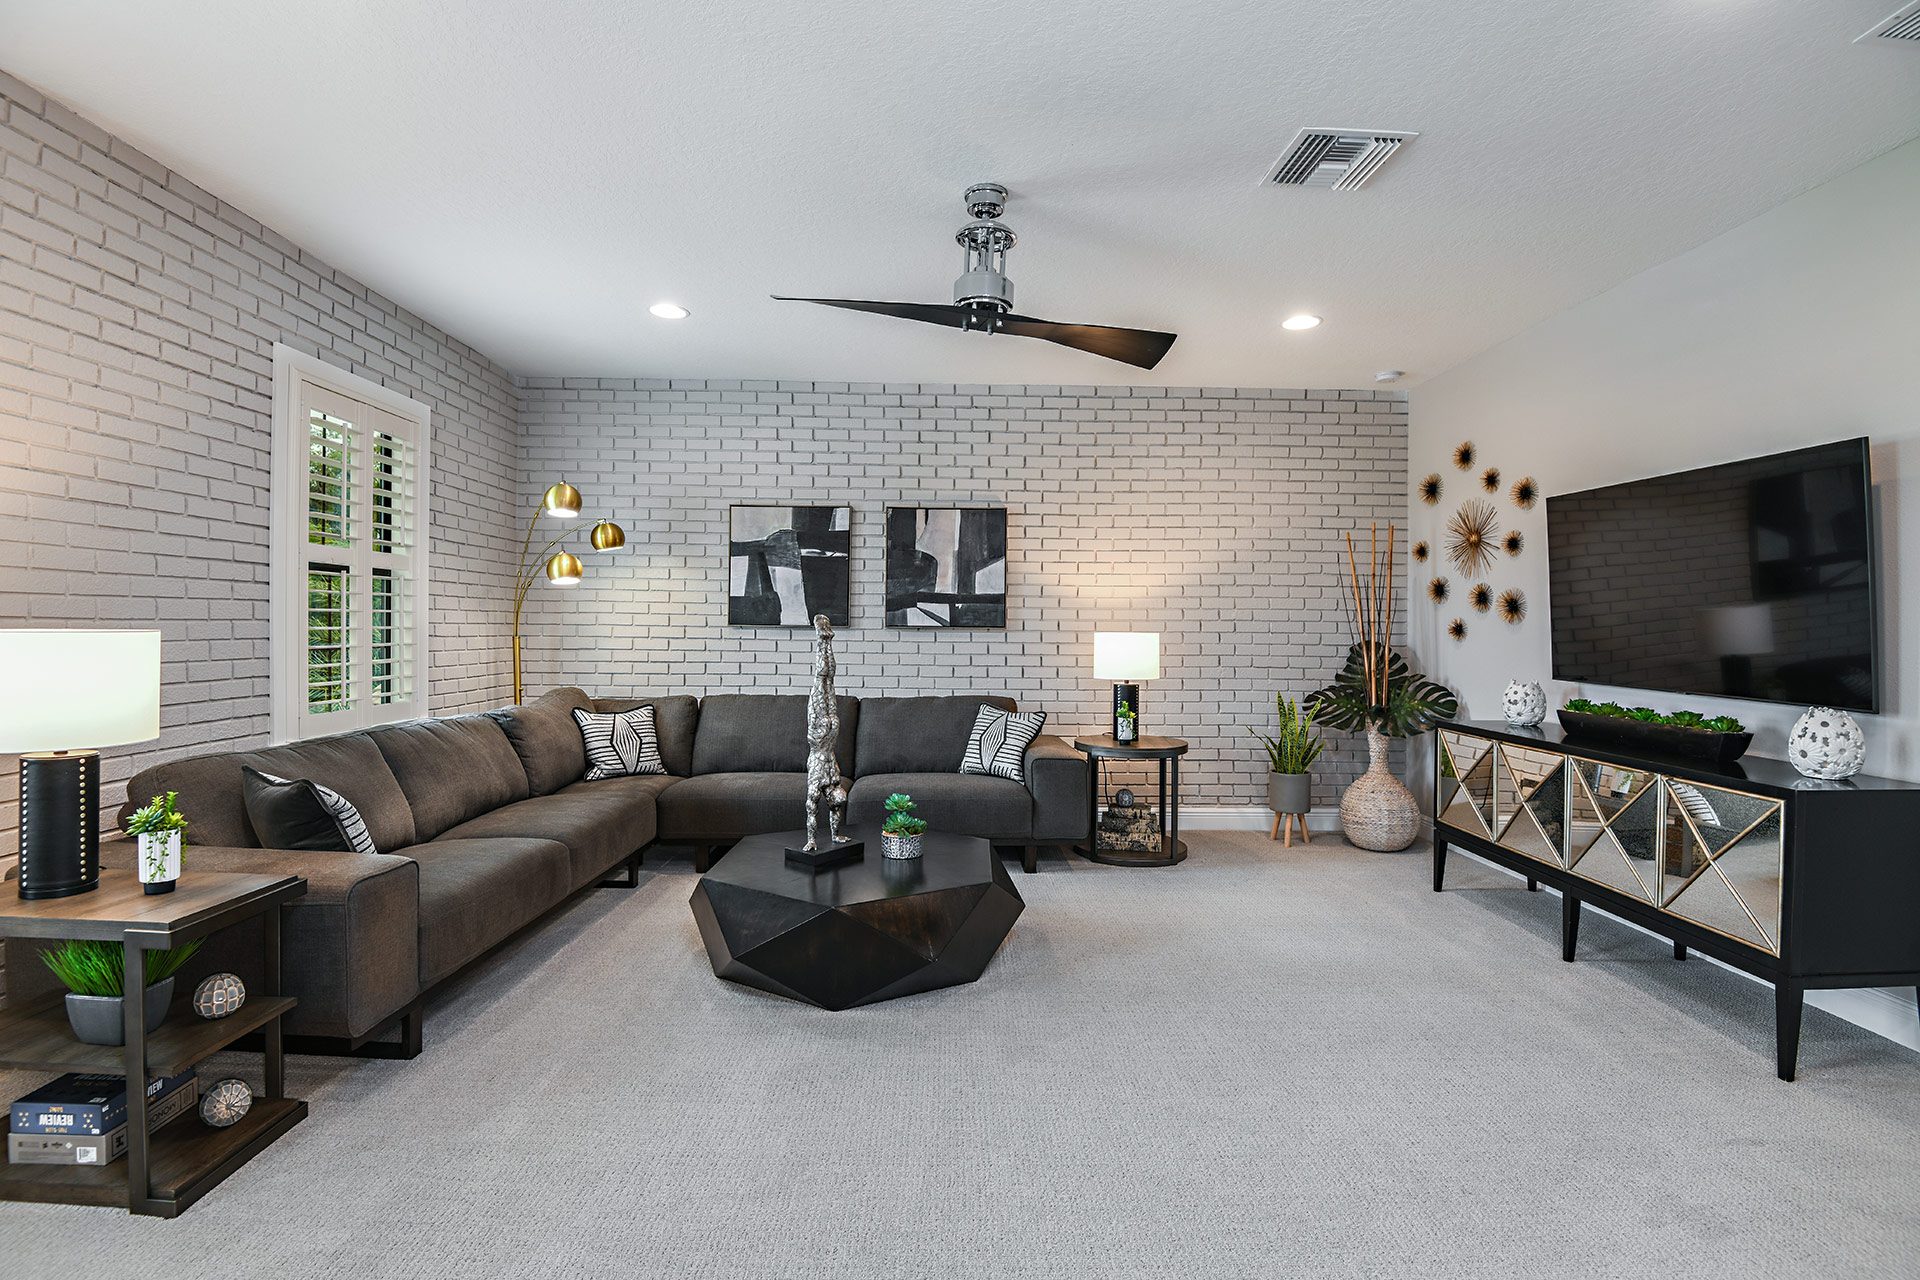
x=983, y=296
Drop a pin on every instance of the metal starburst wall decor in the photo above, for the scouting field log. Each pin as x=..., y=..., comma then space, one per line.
x=1470, y=537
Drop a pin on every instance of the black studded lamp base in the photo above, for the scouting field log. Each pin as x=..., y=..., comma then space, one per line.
x=59, y=824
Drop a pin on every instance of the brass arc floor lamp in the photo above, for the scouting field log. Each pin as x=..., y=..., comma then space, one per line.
x=561, y=568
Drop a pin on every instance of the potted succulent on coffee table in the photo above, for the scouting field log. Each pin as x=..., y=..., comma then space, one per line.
x=1290, y=754
x=93, y=973
x=160, y=829
x=901, y=834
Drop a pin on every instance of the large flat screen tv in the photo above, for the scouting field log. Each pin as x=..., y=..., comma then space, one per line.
x=1753, y=579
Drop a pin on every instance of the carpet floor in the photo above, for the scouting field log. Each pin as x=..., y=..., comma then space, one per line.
x=1264, y=1062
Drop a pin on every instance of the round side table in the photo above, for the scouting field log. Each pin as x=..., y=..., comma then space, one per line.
x=1168, y=752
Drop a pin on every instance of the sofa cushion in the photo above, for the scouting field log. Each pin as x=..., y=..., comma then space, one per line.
x=452, y=769
x=474, y=893
x=957, y=803
x=601, y=823
x=918, y=735
x=674, y=720
x=546, y=739
x=215, y=804
x=764, y=733
x=726, y=806
x=620, y=743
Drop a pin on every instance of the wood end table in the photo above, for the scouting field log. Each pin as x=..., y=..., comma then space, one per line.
x=1167, y=751
x=165, y=1171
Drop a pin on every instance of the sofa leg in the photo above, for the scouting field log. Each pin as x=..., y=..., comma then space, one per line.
x=632, y=866
x=702, y=858
x=411, y=1025
x=1030, y=859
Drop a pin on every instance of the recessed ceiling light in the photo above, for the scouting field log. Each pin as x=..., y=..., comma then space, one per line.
x=1301, y=321
x=669, y=310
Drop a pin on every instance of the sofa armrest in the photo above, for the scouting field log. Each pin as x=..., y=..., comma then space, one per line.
x=1057, y=778
x=349, y=947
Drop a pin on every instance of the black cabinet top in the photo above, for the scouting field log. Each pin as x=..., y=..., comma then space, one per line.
x=1761, y=774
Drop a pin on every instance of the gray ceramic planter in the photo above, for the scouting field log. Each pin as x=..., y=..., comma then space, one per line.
x=1290, y=792
x=98, y=1019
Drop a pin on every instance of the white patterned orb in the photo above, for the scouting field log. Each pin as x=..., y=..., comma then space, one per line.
x=226, y=1103
x=1525, y=704
x=1826, y=743
x=219, y=995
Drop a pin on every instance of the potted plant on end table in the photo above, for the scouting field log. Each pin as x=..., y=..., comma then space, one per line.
x=93, y=974
x=160, y=828
x=1290, y=754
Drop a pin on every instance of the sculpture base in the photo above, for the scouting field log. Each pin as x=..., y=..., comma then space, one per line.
x=827, y=855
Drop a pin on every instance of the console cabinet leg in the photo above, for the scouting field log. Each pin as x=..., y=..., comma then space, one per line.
x=1789, y=997
x=1533, y=886
x=1679, y=951
x=1569, y=925
x=1439, y=862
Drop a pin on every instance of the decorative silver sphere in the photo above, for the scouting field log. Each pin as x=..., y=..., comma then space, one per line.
x=219, y=995
x=226, y=1102
x=1826, y=743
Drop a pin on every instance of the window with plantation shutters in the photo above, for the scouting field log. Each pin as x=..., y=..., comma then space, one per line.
x=349, y=551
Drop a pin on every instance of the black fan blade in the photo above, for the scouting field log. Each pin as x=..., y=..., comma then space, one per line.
x=925, y=312
x=1140, y=347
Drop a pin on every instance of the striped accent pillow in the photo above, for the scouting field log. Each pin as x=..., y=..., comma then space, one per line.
x=353, y=828
x=620, y=743
x=999, y=741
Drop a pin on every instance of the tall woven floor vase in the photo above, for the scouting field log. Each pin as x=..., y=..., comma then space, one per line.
x=1377, y=811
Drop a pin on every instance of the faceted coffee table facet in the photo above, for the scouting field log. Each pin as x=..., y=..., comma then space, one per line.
x=860, y=932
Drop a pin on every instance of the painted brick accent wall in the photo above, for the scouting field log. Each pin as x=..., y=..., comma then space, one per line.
x=1215, y=517
x=137, y=319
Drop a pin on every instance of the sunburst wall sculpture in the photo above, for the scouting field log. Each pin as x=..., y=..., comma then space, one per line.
x=1481, y=597
x=1421, y=552
x=1490, y=479
x=1470, y=537
x=1513, y=542
x=1430, y=489
x=1437, y=590
x=1463, y=455
x=1513, y=607
x=1526, y=492
x=1457, y=628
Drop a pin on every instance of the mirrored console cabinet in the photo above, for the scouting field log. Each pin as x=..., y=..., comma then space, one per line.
x=1804, y=883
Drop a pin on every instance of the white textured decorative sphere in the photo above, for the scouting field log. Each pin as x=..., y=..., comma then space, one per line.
x=226, y=1103
x=1525, y=704
x=219, y=995
x=1826, y=743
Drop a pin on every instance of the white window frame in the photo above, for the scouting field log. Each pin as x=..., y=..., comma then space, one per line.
x=288, y=549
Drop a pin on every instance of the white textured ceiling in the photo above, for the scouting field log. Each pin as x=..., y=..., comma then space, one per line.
x=531, y=174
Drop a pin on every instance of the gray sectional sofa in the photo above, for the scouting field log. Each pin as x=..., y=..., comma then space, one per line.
x=484, y=823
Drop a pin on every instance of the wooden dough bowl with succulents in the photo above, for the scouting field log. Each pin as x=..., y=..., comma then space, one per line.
x=1686, y=734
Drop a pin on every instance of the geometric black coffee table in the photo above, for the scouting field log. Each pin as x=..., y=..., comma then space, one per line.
x=860, y=932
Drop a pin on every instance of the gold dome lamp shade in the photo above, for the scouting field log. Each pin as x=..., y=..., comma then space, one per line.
x=564, y=569
x=607, y=536
x=562, y=500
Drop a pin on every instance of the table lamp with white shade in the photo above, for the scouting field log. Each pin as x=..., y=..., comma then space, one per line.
x=1126, y=657
x=62, y=695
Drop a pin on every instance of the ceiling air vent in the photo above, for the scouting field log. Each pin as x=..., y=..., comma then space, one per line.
x=1903, y=25
x=1341, y=159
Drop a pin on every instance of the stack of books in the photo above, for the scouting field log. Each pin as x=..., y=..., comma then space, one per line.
x=82, y=1119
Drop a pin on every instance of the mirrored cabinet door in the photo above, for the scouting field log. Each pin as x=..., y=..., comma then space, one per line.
x=1612, y=824
x=1530, y=802
x=1721, y=861
x=1466, y=782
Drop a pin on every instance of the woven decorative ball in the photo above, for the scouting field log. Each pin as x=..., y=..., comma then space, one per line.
x=1826, y=743
x=219, y=995
x=225, y=1102
x=1525, y=705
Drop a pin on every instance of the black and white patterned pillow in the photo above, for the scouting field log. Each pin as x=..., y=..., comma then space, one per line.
x=352, y=826
x=620, y=743
x=999, y=741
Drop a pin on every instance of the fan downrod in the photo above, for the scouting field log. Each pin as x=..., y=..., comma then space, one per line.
x=983, y=286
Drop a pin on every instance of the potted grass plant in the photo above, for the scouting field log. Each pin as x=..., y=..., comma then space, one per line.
x=901, y=835
x=93, y=973
x=1290, y=754
x=160, y=828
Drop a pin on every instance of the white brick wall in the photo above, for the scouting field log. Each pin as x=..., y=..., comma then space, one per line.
x=137, y=319
x=1213, y=516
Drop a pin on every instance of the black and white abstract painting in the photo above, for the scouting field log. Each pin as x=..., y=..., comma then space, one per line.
x=946, y=566
x=786, y=564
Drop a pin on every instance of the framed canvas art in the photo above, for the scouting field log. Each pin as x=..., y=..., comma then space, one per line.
x=787, y=563
x=946, y=566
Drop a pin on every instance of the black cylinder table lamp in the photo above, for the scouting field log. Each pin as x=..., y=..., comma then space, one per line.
x=62, y=694
x=1126, y=657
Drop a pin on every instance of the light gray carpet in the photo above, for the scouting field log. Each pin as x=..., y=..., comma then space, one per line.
x=1263, y=1062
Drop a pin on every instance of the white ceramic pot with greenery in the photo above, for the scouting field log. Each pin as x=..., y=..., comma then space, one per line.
x=1290, y=756
x=93, y=973
x=161, y=829
x=902, y=834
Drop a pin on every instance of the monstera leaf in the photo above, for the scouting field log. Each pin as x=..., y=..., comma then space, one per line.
x=1413, y=705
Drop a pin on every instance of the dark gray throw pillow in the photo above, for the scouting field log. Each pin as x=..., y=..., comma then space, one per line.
x=292, y=813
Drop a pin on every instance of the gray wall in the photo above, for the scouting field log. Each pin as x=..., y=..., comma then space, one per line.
x=137, y=319
x=1212, y=516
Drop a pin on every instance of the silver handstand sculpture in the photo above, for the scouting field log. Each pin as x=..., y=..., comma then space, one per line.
x=823, y=733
